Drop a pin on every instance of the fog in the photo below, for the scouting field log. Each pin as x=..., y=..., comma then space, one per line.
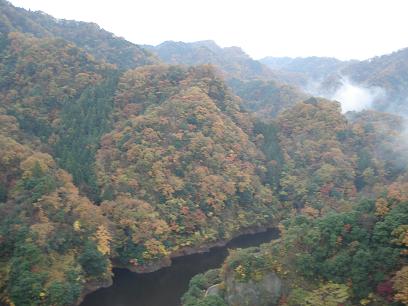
x=356, y=98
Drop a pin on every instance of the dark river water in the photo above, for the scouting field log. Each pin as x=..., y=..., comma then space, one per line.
x=166, y=286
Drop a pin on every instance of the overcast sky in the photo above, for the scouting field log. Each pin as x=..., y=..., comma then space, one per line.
x=340, y=28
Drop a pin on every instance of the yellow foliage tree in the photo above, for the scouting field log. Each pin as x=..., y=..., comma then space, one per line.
x=401, y=285
x=381, y=207
x=103, y=238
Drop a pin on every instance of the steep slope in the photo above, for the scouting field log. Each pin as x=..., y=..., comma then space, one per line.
x=175, y=166
x=347, y=179
x=330, y=160
x=319, y=167
x=179, y=155
x=44, y=74
x=54, y=243
x=102, y=44
x=59, y=95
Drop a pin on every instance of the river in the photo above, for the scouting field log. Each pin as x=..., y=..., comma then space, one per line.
x=166, y=286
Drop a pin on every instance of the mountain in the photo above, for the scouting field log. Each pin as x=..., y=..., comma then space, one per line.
x=49, y=85
x=330, y=158
x=382, y=80
x=165, y=152
x=107, y=162
x=347, y=178
x=388, y=72
x=232, y=61
x=102, y=167
x=54, y=242
x=179, y=169
x=102, y=44
x=266, y=98
x=302, y=71
x=258, y=87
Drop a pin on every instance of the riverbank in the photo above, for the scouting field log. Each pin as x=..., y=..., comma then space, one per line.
x=166, y=284
x=185, y=251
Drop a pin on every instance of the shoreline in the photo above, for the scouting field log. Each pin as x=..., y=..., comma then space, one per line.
x=167, y=261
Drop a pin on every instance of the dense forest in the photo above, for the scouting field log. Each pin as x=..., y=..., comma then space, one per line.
x=119, y=155
x=262, y=90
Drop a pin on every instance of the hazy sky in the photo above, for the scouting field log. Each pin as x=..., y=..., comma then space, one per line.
x=340, y=28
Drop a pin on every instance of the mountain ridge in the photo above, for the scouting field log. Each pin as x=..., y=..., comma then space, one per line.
x=232, y=61
x=325, y=76
x=102, y=44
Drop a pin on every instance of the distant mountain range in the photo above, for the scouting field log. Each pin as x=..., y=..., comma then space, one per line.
x=294, y=78
x=260, y=88
x=275, y=82
x=300, y=70
x=320, y=75
x=233, y=62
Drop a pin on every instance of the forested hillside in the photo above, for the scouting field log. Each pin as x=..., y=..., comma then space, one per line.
x=101, y=44
x=356, y=257
x=266, y=98
x=111, y=158
x=260, y=89
x=60, y=96
x=199, y=175
x=163, y=158
x=345, y=181
x=54, y=243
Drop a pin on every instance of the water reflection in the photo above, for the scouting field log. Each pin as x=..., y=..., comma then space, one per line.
x=166, y=286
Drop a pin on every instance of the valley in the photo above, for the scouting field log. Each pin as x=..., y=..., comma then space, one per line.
x=120, y=164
